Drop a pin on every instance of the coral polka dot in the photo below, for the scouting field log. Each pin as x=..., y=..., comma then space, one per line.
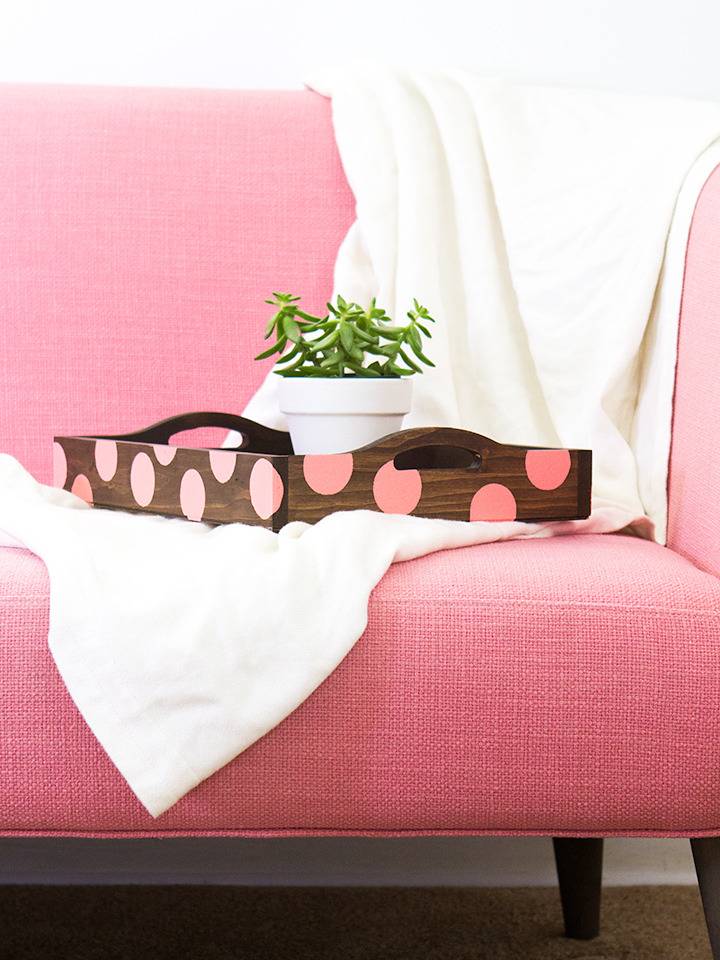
x=397, y=491
x=106, y=458
x=59, y=465
x=192, y=495
x=266, y=489
x=164, y=454
x=81, y=488
x=142, y=479
x=547, y=469
x=327, y=473
x=222, y=464
x=493, y=502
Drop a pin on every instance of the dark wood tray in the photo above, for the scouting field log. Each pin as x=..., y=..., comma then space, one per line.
x=428, y=472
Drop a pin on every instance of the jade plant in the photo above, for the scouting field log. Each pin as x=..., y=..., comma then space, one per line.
x=348, y=342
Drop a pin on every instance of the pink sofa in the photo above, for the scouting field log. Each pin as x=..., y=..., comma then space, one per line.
x=569, y=688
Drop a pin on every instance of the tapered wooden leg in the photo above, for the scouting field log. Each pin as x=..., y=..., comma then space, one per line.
x=579, y=869
x=706, y=854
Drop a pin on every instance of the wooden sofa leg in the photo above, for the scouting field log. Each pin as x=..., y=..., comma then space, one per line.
x=579, y=869
x=706, y=854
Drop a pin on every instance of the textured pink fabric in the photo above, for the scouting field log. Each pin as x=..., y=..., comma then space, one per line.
x=694, y=489
x=547, y=686
x=140, y=232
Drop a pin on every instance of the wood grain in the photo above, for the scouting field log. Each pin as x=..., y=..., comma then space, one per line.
x=452, y=465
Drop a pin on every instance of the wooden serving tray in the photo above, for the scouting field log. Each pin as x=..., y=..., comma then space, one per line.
x=428, y=472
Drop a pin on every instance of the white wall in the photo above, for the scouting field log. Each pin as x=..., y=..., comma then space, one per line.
x=663, y=46
x=644, y=45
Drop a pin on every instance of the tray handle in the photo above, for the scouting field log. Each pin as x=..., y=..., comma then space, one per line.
x=436, y=456
x=255, y=436
x=439, y=448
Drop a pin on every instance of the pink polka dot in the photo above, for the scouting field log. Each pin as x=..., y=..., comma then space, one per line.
x=266, y=489
x=192, y=495
x=164, y=454
x=397, y=491
x=81, y=488
x=106, y=458
x=493, y=502
x=142, y=479
x=59, y=465
x=547, y=469
x=327, y=473
x=222, y=464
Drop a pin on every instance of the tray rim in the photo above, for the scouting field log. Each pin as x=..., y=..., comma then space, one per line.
x=397, y=437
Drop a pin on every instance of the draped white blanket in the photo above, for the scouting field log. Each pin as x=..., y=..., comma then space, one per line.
x=532, y=222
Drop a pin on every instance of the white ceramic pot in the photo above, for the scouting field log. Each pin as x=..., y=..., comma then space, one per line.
x=337, y=414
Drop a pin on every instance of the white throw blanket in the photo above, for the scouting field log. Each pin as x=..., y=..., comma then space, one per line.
x=532, y=223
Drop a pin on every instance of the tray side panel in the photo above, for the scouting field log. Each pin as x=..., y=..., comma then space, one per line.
x=215, y=486
x=504, y=482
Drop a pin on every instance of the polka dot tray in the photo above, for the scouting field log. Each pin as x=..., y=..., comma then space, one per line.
x=428, y=472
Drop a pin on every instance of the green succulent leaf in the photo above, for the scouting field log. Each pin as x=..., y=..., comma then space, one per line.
x=301, y=372
x=297, y=362
x=411, y=363
x=297, y=350
x=346, y=336
x=275, y=348
x=292, y=329
x=272, y=322
x=390, y=332
x=332, y=359
x=310, y=321
x=361, y=371
x=317, y=346
x=421, y=356
x=413, y=338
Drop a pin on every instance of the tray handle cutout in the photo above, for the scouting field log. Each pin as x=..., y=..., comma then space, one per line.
x=438, y=456
x=256, y=438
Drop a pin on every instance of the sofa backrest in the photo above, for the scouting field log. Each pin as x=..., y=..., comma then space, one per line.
x=140, y=232
x=694, y=482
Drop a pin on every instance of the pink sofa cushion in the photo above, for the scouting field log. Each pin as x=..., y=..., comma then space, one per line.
x=140, y=232
x=548, y=686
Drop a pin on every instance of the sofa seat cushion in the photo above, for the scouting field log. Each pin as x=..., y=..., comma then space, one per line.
x=570, y=684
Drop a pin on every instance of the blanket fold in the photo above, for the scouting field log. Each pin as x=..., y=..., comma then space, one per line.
x=533, y=223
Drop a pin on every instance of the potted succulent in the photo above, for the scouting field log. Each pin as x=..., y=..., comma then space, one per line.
x=344, y=376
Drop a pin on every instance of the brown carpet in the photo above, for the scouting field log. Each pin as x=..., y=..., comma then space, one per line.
x=225, y=923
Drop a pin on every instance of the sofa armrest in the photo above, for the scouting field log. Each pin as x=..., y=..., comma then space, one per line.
x=694, y=480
